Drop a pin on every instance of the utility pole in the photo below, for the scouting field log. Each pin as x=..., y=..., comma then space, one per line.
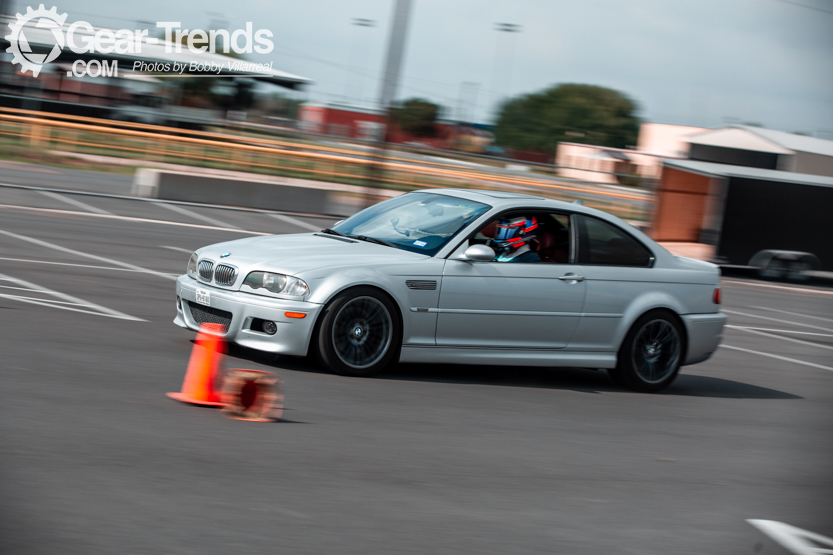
x=390, y=81
x=353, y=65
x=510, y=29
x=468, y=96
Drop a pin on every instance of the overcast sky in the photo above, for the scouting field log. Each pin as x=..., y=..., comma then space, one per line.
x=689, y=62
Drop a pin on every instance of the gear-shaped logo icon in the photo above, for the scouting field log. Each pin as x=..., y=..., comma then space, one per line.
x=53, y=41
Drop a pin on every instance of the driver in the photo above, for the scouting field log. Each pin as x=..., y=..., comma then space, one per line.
x=512, y=237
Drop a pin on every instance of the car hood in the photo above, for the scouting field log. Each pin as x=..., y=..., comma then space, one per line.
x=293, y=254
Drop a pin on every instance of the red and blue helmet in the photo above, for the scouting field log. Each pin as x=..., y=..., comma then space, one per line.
x=512, y=233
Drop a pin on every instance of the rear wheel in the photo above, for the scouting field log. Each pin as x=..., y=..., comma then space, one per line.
x=651, y=354
x=359, y=333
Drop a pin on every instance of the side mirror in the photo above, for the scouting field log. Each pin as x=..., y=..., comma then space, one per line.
x=478, y=253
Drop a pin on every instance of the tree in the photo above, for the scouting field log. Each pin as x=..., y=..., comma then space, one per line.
x=567, y=113
x=416, y=117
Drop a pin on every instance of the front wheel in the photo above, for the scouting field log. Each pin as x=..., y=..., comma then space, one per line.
x=359, y=333
x=651, y=354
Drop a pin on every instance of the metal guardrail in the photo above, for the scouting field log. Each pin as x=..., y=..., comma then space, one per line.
x=282, y=157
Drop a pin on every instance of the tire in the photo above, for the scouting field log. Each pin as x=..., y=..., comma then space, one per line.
x=651, y=354
x=359, y=333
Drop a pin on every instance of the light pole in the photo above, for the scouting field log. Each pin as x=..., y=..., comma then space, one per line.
x=468, y=96
x=509, y=28
x=357, y=22
x=390, y=81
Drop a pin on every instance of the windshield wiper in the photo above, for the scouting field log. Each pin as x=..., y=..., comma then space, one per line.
x=374, y=240
x=332, y=232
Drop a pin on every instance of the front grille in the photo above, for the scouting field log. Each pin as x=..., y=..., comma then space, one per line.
x=209, y=315
x=421, y=284
x=224, y=274
x=206, y=270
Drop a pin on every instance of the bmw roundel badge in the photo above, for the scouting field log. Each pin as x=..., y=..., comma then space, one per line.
x=225, y=255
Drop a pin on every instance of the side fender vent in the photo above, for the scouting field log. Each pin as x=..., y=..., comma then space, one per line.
x=421, y=285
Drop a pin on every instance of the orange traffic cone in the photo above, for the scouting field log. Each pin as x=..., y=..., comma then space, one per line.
x=253, y=396
x=200, y=386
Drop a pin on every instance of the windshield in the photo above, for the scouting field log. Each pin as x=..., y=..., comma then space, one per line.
x=417, y=222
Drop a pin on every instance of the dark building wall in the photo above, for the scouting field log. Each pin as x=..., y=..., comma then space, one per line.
x=733, y=156
x=762, y=215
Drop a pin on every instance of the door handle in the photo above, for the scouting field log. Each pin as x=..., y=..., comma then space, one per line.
x=571, y=277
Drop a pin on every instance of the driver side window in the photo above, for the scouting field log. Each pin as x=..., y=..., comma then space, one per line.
x=527, y=238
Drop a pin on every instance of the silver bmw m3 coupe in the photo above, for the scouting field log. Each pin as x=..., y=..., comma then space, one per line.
x=463, y=276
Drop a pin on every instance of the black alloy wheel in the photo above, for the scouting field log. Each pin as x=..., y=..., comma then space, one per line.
x=359, y=333
x=651, y=355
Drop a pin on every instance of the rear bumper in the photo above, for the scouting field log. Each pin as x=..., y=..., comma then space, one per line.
x=705, y=332
x=292, y=337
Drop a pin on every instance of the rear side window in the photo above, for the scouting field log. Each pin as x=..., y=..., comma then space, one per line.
x=603, y=243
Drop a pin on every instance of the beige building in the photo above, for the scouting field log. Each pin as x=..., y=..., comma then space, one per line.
x=619, y=166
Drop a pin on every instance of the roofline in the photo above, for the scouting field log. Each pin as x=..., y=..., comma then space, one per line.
x=692, y=140
x=725, y=170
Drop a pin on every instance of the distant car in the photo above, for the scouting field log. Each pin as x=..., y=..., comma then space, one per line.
x=416, y=279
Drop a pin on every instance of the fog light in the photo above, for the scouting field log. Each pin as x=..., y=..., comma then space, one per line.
x=270, y=327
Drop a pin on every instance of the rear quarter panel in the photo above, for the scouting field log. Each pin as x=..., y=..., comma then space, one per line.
x=617, y=296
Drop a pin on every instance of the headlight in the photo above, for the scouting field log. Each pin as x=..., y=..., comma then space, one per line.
x=192, y=266
x=277, y=283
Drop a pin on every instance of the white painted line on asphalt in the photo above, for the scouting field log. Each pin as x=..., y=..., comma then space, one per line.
x=793, y=539
x=51, y=304
x=75, y=265
x=785, y=331
x=783, y=287
x=176, y=249
x=86, y=255
x=131, y=219
x=794, y=313
x=101, y=310
x=775, y=320
x=192, y=214
x=50, y=301
x=75, y=203
x=17, y=288
x=790, y=339
x=295, y=222
x=779, y=357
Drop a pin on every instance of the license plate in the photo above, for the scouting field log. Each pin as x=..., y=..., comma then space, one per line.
x=204, y=297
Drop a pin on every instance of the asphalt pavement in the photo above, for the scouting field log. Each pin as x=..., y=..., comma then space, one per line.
x=423, y=459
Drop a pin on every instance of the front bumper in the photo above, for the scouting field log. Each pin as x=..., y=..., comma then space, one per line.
x=292, y=337
x=705, y=332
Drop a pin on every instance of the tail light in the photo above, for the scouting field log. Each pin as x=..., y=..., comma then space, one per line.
x=716, y=297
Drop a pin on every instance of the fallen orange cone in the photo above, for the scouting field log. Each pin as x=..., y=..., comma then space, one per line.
x=253, y=396
x=201, y=386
